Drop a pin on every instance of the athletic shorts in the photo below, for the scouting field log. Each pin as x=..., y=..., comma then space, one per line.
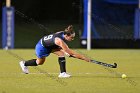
x=41, y=51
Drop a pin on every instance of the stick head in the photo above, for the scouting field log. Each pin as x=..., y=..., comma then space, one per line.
x=115, y=65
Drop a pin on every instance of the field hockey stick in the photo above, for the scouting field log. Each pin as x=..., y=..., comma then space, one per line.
x=104, y=64
x=101, y=63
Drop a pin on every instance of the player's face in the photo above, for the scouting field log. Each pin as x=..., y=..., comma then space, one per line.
x=71, y=37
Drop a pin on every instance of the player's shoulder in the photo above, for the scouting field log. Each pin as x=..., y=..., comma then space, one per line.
x=58, y=39
x=60, y=32
x=59, y=35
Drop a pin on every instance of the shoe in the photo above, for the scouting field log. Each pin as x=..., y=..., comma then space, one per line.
x=64, y=75
x=24, y=68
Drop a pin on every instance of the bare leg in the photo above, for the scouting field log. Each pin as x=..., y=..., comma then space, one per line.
x=61, y=60
x=40, y=61
x=35, y=62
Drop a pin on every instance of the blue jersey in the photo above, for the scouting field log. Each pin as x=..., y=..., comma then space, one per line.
x=47, y=44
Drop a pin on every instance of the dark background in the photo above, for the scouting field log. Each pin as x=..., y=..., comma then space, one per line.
x=43, y=10
x=36, y=18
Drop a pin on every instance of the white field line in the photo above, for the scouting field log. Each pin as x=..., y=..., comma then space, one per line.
x=53, y=73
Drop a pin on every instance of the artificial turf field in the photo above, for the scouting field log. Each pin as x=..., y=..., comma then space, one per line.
x=86, y=77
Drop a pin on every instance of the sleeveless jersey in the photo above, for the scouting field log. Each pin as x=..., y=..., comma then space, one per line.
x=48, y=40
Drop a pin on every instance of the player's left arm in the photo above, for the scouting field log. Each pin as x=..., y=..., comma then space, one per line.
x=79, y=56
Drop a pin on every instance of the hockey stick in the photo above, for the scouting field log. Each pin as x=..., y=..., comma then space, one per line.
x=104, y=64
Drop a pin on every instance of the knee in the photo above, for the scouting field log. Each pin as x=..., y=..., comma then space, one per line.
x=40, y=62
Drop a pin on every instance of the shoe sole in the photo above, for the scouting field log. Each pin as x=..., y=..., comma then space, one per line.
x=64, y=77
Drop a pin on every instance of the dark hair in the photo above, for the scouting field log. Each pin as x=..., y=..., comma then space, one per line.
x=69, y=30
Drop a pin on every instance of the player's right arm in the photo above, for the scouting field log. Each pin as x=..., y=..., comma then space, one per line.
x=66, y=49
x=63, y=45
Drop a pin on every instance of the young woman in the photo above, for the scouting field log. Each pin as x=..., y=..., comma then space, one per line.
x=54, y=43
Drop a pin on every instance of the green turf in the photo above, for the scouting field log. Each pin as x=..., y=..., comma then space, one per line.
x=86, y=77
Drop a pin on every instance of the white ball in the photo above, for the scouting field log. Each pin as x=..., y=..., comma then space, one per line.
x=124, y=76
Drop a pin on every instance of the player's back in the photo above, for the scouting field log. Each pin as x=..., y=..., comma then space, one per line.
x=48, y=41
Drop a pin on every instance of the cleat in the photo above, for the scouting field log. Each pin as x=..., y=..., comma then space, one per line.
x=64, y=75
x=24, y=68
